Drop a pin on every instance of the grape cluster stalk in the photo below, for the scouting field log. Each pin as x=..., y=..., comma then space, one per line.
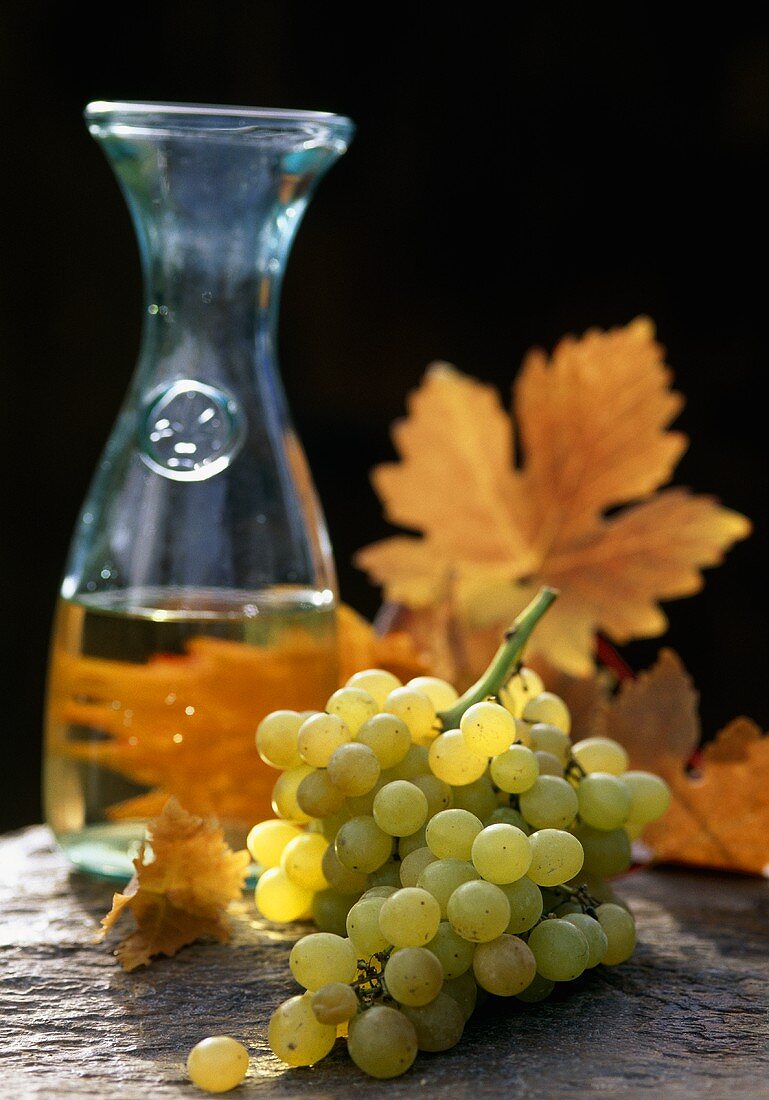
x=447, y=849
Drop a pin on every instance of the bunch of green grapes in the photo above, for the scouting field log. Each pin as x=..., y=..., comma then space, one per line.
x=440, y=865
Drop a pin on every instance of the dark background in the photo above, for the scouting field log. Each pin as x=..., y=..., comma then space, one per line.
x=508, y=184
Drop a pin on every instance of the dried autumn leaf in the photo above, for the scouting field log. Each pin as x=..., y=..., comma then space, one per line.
x=182, y=892
x=594, y=436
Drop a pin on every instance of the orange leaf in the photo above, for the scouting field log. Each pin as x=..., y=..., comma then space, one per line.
x=182, y=891
x=594, y=427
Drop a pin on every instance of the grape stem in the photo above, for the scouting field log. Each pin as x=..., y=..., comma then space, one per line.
x=505, y=661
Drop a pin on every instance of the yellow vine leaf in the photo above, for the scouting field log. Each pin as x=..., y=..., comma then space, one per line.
x=181, y=891
x=582, y=509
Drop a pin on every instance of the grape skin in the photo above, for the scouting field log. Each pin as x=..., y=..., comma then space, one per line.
x=479, y=911
x=217, y=1064
x=604, y=801
x=281, y=900
x=400, y=808
x=450, y=834
x=267, y=840
x=560, y=948
x=409, y=917
x=453, y=762
x=442, y=877
x=322, y=957
x=505, y=966
x=296, y=1036
x=413, y=976
x=454, y=953
x=334, y=1003
x=551, y=803
x=382, y=1042
x=276, y=738
x=619, y=927
x=555, y=857
x=501, y=853
x=439, y=1024
x=363, y=927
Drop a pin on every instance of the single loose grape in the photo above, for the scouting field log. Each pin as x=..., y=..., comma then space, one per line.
x=339, y=877
x=549, y=764
x=362, y=846
x=505, y=966
x=649, y=797
x=353, y=706
x=597, y=940
x=276, y=738
x=319, y=736
x=479, y=798
x=463, y=989
x=619, y=927
x=387, y=736
x=488, y=729
x=551, y=803
x=560, y=949
x=414, y=864
x=438, y=1025
x=501, y=853
x=302, y=860
x=538, y=990
x=409, y=917
x=547, y=738
x=525, y=899
x=267, y=840
x=454, y=953
x=556, y=857
x=363, y=927
x=382, y=1042
x=441, y=693
x=516, y=770
x=322, y=957
x=550, y=708
x=284, y=794
x=479, y=911
x=607, y=853
x=415, y=709
x=317, y=796
x=376, y=681
x=217, y=1064
x=439, y=795
x=353, y=769
x=400, y=808
x=330, y=910
x=296, y=1036
x=600, y=754
x=450, y=834
x=604, y=801
x=334, y=1003
x=453, y=762
x=279, y=899
x=519, y=689
x=443, y=876
x=413, y=976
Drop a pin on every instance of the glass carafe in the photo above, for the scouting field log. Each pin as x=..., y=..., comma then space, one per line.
x=199, y=593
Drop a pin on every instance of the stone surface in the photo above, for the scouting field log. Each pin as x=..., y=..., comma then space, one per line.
x=688, y=1016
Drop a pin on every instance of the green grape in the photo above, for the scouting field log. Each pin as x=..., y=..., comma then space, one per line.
x=279, y=899
x=441, y=693
x=409, y=917
x=551, y=803
x=619, y=927
x=415, y=709
x=525, y=899
x=649, y=797
x=501, y=853
x=454, y=953
x=556, y=857
x=414, y=864
x=330, y=910
x=506, y=815
x=317, y=796
x=606, y=853
x=568, y=908
x=339, y=877
x=330, y=826
x=505, y=966
x=546, y=738
x=334, y=1003
x=319, y=736
x=549, y=764
x=409, y=844
x=560, y=949
x=442, y=877
x=519, y=689
x=439, y=1024
x=550, y=708
x=276, y=739
x=538, y=990
x=389, y=874
x=597, y=940
x=296, y=1036
x=362, y=846
x=604, y=801
x=387, y=736
x=302, y=860
x=267, y=840
x=362, y=805
x=284, y=802
x=439, y=795
x=463, y=989
x=479, y=798
x=516, y=770
x=382, y=1042
x=415, y=763
x=413, y=976
x=600, y=754
x=353, y=706
x=453, y=762
x=380, y=891
x=450, y=834
x=400, y=808
x=363, y=927
x=353, y=769
x=217, y=1064
x=377, y=682
x=322, y=957
x=488, y=729
x=478, y=911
